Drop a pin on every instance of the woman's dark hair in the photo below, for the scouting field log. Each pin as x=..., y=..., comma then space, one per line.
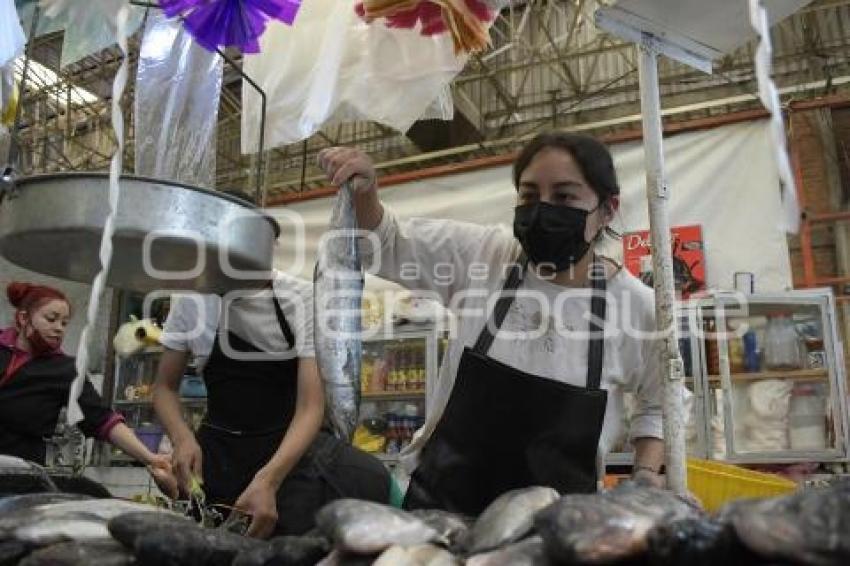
x=591, y=155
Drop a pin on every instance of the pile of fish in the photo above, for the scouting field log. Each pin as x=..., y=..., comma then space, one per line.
x=629, y=524
x=626, y=525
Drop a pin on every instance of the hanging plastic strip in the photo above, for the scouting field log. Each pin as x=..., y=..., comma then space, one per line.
x=178, y=84
x=75, y=414
x=770, y=99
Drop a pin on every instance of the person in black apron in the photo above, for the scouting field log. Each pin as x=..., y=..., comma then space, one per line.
x=502, y=427
x=250, y=406
x=526, y=436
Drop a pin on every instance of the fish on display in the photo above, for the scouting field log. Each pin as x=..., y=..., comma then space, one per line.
x=191, y=546
x=79, y=520
x=528, y=552
x=700, y=541
x=19, y=476
x=451, y=527
x=128, y=527
x=15, y=503
x=809, y=527
x=419, y=555
x=606, y=527
x=11, y=551
x=509, y=517
x=100, y=553
x=364, y=527
x=288, y=550
x=337, y=295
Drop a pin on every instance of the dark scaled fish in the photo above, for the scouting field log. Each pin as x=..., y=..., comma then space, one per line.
x=607, y=527
x=18, y=476
x=286, y=551
x=810, y=527
x=102, y=553
x=695, y=542
x=364, y=527
x=191, y=547
x=11, y=552
x=338, y=292
x=509, y=518
x=128, y=527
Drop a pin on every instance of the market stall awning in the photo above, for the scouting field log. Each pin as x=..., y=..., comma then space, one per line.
x=693, y=32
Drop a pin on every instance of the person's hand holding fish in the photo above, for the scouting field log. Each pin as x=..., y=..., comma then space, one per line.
x=259, y=501
x=186, y=462
x=342, y=164
x=162, y=473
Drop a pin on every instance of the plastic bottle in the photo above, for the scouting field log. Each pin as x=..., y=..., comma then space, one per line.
x=781, y=343
x=751, y=355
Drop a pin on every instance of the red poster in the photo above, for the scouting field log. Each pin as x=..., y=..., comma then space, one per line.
x=688, y=258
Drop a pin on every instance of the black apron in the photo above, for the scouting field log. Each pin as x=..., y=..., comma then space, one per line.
x=250, y=405
x=504, y=429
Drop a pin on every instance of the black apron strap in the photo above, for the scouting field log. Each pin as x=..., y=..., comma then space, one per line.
x=281, y=320
x=503, y=304
x=596, y=346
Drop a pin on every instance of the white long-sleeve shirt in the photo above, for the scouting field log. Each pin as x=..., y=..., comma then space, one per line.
x=463, y=265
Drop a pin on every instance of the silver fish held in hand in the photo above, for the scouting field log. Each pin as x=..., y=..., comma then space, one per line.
x=338, y=293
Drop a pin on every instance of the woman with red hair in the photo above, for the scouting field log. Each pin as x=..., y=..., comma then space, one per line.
x=35, y=379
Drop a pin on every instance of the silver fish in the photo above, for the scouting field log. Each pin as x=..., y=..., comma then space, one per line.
x=419, y=555
x=364, y=527
x=101, y=553
x=529, y=552
x=509, y=517
x=83, y=520
x=338, y=291
x=453, y=528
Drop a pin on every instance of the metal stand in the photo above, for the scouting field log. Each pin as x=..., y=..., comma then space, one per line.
x=662, y=265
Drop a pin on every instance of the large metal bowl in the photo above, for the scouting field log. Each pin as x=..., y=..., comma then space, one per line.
x=192, y=238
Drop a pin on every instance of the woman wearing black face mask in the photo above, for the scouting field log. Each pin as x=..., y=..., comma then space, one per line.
x=529, y=392
x=35, y=379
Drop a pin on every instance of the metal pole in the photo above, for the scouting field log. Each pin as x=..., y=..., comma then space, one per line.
x=662, y=265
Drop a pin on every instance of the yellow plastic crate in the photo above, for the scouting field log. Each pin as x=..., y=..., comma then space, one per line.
x=716, y=483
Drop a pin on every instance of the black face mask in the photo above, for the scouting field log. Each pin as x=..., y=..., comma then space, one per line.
x=551, y=234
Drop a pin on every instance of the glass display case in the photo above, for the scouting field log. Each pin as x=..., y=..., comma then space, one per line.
x=766, y=373
x=774, y=378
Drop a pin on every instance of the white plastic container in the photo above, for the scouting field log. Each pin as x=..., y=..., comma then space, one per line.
x=807, y=418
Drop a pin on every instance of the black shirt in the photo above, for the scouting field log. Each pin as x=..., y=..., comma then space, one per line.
x=30, y=402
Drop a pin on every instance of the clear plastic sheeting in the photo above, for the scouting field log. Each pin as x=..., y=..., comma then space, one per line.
x=12, y=37
x=442, y=107
x=178, y=85
x=89, y=26
x=331, y=67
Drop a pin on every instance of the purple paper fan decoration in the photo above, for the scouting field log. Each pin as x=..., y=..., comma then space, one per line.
x=225, y=23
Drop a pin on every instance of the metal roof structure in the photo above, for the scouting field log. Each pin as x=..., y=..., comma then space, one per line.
x=549, y=67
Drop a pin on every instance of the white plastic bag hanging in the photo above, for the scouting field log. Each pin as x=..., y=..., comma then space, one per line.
x=178, y=85
x=331, y=67
x=12, y=37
